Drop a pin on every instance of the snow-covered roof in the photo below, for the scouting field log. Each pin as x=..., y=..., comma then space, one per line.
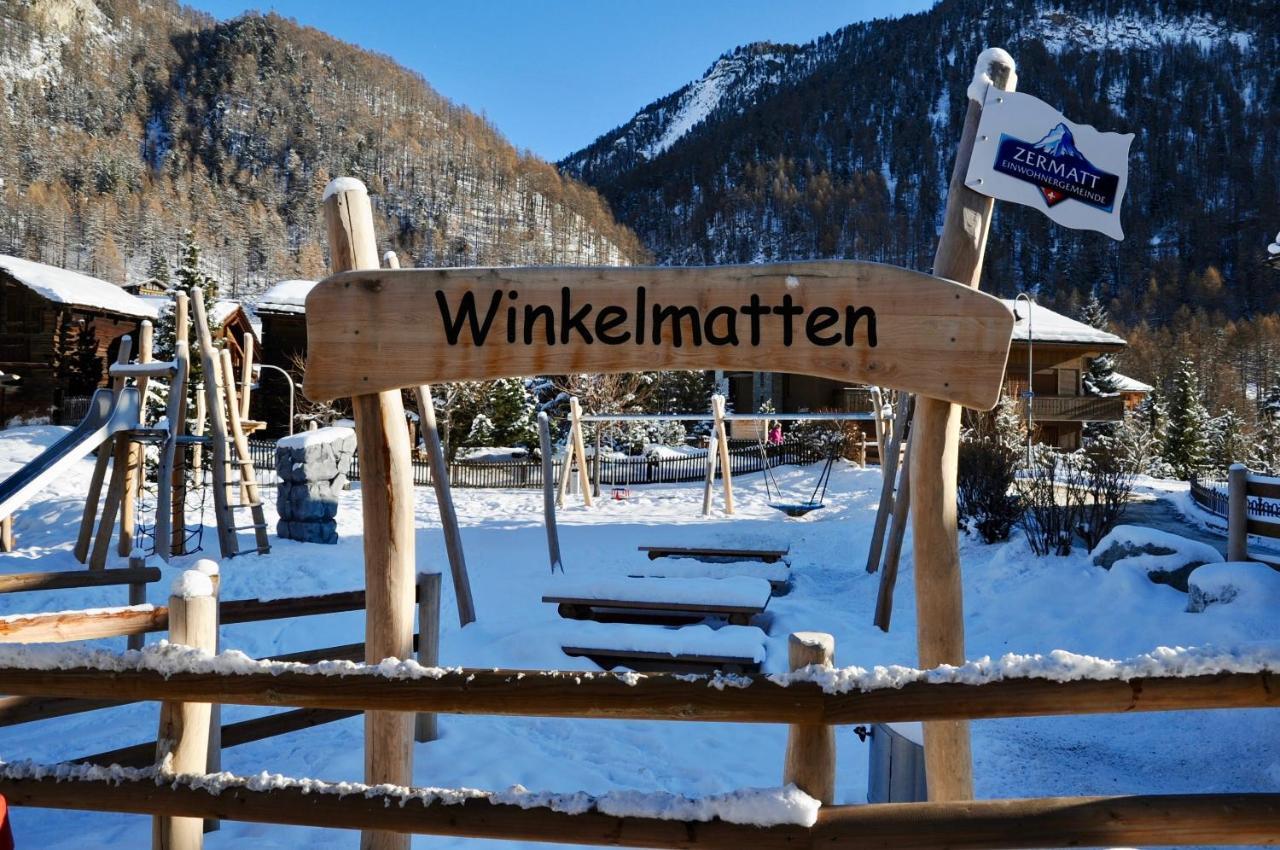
x=1048, y=326
x=287, y=296
x=1125, y=384
x=222, y=310
x=74, y=289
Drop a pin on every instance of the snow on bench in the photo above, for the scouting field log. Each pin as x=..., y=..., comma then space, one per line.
x=711, y=552
x=778, y=573
x=733, y=649
x=737, y=598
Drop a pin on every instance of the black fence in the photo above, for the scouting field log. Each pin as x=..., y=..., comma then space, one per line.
x=1212, y=496
x=744, y=457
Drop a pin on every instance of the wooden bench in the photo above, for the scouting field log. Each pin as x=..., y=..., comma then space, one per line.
x=690, y=649
x=707, y=553
x=778, y=573
x=660, y=600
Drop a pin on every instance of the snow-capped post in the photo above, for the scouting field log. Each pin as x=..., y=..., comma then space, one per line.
x=6, y=534
x=934, y=455
x=211, y=569
x=811, y=748
x=444, y=501
x=1238, y=512
x=425, y=728
x=182, y=744
x=548, y=493
x=386, y=495
x=726, y=471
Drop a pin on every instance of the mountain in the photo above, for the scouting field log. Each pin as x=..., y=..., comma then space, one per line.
x=124, y=122
x=1060, y=142
x=843, y=147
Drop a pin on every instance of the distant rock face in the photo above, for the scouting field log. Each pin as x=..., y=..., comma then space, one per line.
x=312, y=468
x=1165, y=558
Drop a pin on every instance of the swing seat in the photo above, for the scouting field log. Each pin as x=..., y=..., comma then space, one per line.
x=796, y=509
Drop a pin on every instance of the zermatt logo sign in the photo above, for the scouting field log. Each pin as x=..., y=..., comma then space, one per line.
x=1028, y=153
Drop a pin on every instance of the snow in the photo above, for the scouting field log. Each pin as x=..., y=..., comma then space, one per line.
x=343, y=184
x=1177, y=551
x=192, y=584
x=496, y=454
x=726, y=641
x=318, y=437
x=1125, y=384
x=72, y=288
x=1061, y=30
x=208, y=566
x=222, y=310
x=737, y=591
x=1023, y=615
x=1048, y=326
x=287, y=296
x=690, y=568
x=1236, y=583
x=982, y=79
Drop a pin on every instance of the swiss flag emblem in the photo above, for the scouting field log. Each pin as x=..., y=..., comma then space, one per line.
x=1052, y=196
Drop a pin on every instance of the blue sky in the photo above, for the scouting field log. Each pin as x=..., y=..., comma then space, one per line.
x=554, y=74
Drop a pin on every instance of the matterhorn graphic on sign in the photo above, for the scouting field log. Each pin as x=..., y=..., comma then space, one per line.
x=1028, y=153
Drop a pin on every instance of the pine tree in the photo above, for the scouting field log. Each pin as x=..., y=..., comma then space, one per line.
x=1186, y=446
x=164, y=336
x=1229, y=441
x=157, y=268
x=1264, y=455
x=1269, y=408
x=1100, y=379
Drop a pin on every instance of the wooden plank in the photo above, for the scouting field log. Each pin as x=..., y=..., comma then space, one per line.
x=722, y=442
x=609, y=657
x=579, y=449
x=64, y=626
x=766, y=555
x=654, y=605
x=22, y=582
x=893, y=551
x=1263, y=527
x=932, y=336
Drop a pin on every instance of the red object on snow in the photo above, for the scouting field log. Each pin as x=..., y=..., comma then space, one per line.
x=6, y=832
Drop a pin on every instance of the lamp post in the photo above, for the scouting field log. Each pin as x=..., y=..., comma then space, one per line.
x=258, y=367
x=1029, y=393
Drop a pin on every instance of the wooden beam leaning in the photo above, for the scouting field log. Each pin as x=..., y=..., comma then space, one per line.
x=134, y=471
x=934, y=456
x=580, y=449
x=386, y=494
x=90, y=515
x=1185, y=819
x=726, y=468
x=888, y=472
x=893, y=549
x=845, y=320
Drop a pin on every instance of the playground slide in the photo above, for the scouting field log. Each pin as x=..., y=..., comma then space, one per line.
x=106, y=416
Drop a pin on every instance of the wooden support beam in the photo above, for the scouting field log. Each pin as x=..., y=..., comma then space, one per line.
x=23, y=582
x=811, y=748
x=1173, y=820
x=228, y=544
x=182, y=744
x=178, y=427
x=386, y=491
x=939, y=593
x=655, y=696
x=893, y=551
x=1238, y=512
x=708, y=486
x=444, y=502
x=580, y=449
x=6, y=534
x=722, y=439
x=888, y=472
x=89, y=518
x=548, y=493
x=134, y=471
x=425, y=724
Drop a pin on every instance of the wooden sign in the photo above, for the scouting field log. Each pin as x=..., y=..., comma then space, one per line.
x=370, y=331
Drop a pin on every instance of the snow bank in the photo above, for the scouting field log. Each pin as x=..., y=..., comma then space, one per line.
x=737, y=591
x=726, y=641
x=320, y=436
x=1161, y=556
x=981, y=79
x=750, y=806
x=1245, y=583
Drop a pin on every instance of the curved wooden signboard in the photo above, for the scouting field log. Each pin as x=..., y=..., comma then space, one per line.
x=369, y=331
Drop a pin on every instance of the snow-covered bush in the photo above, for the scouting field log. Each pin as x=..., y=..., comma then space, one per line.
x=990, y=452
x=1048, y=519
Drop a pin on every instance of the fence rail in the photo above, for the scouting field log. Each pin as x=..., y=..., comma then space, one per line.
x=1212, y=496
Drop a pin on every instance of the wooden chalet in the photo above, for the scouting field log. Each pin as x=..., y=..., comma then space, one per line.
x=53, y=324
x=282, y=311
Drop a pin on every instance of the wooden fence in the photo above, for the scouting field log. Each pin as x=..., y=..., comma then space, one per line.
x=1250, y=502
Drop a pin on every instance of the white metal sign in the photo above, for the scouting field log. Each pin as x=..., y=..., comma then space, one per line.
x=1028, y=153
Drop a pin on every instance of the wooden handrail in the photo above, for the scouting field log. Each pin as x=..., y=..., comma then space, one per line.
x=967, y=825
x=21, y=582
x=656, y=696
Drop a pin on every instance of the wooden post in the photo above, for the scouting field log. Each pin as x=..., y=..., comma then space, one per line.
x=811, y=747
x=877, y=399
x=709, y=485
x=197, y=429
x=246, y=376
x=893, y=552
x=548, y=493
x=249, y=492
x=137, y=596
x=178, y=427
x=89, y=518
x=134, y=472
x=584, y=480
x=425, y=725
x=888, y=471
x=595, y=465
x=209, y=567
x=6, y=534
x=566, y=471
x=116, y=488
x=722, y=439
x=1238, y=512
x=444, y=501
x=183, y=742
x=228, y=545
x=939, y=593
x=386, y=492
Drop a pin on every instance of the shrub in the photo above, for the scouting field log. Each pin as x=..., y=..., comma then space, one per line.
x=990, y=450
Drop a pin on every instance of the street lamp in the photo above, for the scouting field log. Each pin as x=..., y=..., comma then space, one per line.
x=258, y=367
x=1028, y=394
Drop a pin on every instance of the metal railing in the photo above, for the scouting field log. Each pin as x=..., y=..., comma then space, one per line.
x=1082, y=408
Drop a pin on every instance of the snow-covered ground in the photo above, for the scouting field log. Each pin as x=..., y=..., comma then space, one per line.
x=1014, y=602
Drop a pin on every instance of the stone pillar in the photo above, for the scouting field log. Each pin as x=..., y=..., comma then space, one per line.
x=312, y=467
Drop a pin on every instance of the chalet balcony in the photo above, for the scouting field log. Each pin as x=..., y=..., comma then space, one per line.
x=1081, y=408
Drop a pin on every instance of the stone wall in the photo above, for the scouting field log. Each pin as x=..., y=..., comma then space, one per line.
x=312, y=467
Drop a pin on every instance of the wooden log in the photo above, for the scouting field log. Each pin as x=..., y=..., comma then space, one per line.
x=250, y=494
x=386, y=493
x=548, y=494
x=134, y=473
x=6, y=534
x=246, y=376
x=23, y=582
x=722, y=439
x=877, y=399
x=178, y=426
x=444, y=502
x=939, y=593
x=811, y=748
x=116, y=490
x=580, y=449
x=176, y=403
x=228, y=545
x=197, y=429
x=1171, y=820
x=656, y=696
x=137, y=598
x=566, y=469
x=893, y=551
x=888, y=472
x=425, y=724
x=708, y=486
x=182, y=744
x=213, y=764
x=89, y=517
x=1237, y=513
